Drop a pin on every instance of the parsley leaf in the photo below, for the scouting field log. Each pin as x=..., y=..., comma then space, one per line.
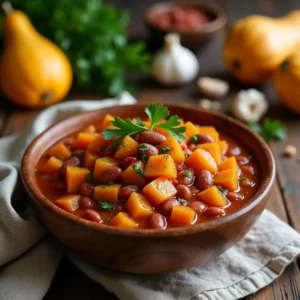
x=156, y=113
x=171, y=125
x=182, y=201
x=143, y=147
x=122, y=145
x=103, y=205
x=90, y=177
x=187, y=174
x=108, y=219
x=138, y=170
x=223, y=191
x=194, y=139
x=242, y=179
x=164, y=150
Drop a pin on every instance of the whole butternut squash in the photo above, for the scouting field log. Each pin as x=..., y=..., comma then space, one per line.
x=257, y=45
x=34, y=72
x=286, y=82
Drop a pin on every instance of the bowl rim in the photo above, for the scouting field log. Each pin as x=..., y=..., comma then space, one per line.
x=212, y=26
x=27, y=171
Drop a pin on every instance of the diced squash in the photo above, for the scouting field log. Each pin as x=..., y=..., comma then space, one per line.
x=123, y=220
x=201, y=160
x=175, y=149
x=83, y=139
x=213, y=148
x=224, y=146
x=159, y=190
x=60, y=151
x=130, y=174
x=75, y=176
x=163, y=132
x=191, y=129
x=212, y=196
x=90, y=128
x=128, y=147
x=138, y=206
x=105, y=123
x=182, y=215
x=89, y=159
x=227, y=179
x=69, y=203
x=210, y=130
x=229, y=163
x=161, y=165
x=97, y=143
x=108, y=193
x=52, y=165
x=102, y=164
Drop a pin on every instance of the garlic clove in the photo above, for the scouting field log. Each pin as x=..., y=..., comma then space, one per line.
x=249, y=105
x=213, y=87
x=174, y=64
x=209, y=105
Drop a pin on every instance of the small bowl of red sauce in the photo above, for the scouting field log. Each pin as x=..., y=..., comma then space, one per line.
x=195, y=23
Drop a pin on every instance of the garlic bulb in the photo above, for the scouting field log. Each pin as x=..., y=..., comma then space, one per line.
x=249, y=105
x=174, y=64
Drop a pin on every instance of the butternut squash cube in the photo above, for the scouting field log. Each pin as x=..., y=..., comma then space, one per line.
x=52, y=165
x=132, y=175
x=75, y=176
x=69, y=203
x=105, y=123
x=123, y=220
x=161, y=165
x=97, y=143
x=89, y=159
x=213, y=148
x=175, y=149
x=191, y=129
x=163, y=132
x=201, y=160
x=108, y=193
x=229, y=163
x=227, y=179
x=102, y=164
x=159, y=190
x=138, y=206
x=128, y=147
x=212, y=196
x=90, y=128
x=182, y=215
x=83, y=140
x=210, y=130
x=60, y=151
x=224, y=146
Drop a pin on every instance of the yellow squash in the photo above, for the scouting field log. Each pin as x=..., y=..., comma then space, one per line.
x=286, y=82
x=34, y=72
x=257, y=45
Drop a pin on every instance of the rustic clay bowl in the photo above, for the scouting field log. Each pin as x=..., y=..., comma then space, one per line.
x=147, y=251
x=193, y=40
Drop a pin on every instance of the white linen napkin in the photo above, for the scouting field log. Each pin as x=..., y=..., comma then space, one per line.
x=29, y=257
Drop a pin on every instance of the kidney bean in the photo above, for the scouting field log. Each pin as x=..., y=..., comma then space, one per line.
x=246, y=183
x=167, y=206
x=214, y=212
x=185, y=177
x=197, y=206
x=192, y=147
x=86, y=189
x=234, y=151
x=193, y=190
x=86, y=202
x=183, y=192
x=157, y=221
x=126, y=191
x=72, y=162
x=127, y=161
x=232, y=196
x=188, y=152
x=93, y=216
x=151, y=137
x=180, y=167
x=204, y=138
x=204, y=180
x=108, y=150
x=111, y=174
x=248, y=169
x=242, y=160
x=144, y=154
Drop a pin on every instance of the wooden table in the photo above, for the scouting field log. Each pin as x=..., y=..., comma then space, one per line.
x=70, y=283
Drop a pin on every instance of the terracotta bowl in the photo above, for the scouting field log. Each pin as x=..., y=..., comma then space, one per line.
x=147, y=251
x=193, y=40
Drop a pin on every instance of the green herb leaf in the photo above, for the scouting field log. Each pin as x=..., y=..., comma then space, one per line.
x=182, y=201
x=138, y=170
x=143, y=147
x=223, y=191
x=108, y=219
x=103, y=205
x=187, y=174
x=156, y=113
x=171, y=125
x=242, y=179
x=110, y=183
x=122, y=145
x=90, y=177
x=194, y=139
x=164, y=150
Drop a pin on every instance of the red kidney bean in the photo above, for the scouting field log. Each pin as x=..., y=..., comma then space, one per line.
x=246, y=183
x=234, y=151
x=204, y=180
x=214, y=212
x=197, y=206
x=188, y=152
x=157, y=221
x=183, y=192
x=242, y=160
x=174, y=181
x=126, y=191
x=72, y=162
x=232, y=196
x=167, y=206
x=93, y=216
x=185, y=177
x=204, y=138
x=111, y=174
x=86, y=202
x=151, y=137
x=248, y=169
x=86, y=189
x=108, y=150
x=192, y=147
x=127, y=161
x=180, y=167
x=146, y=150
x=193, y=190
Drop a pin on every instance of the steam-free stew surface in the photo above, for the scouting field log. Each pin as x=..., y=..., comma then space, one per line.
x=150, y=179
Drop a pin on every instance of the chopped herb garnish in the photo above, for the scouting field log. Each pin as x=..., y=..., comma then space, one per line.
x=194, y=139
x=103, y=205
x=164, y=150
x=138, y=170
x=79, y=153
x=103, y=186
x=108, y=219
x=187, y=174
x=182, y=201
x=110, y=183
x=243, y=179
x=144, y=157
x=143, y=147
x=90, y=177
x=122, y=145
x=223, y=191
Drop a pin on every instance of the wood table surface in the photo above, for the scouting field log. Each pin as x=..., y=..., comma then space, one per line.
x=70, y=283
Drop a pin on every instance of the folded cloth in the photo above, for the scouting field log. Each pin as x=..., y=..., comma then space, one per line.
x=29, y=257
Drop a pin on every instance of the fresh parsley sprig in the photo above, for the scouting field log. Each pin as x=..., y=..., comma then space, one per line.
x=103, y=205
